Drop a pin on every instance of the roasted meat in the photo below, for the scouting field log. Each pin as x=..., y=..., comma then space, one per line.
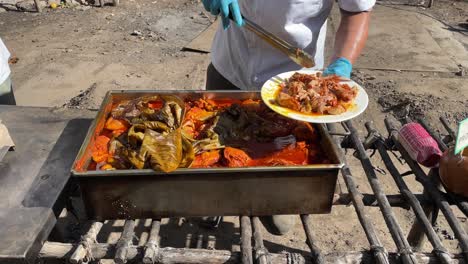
x=314, y=94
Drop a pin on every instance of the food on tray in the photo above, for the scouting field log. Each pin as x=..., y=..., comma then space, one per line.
x=165, y=133
x=315, y=94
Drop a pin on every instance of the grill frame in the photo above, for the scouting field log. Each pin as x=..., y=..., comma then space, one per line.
x=253, y=250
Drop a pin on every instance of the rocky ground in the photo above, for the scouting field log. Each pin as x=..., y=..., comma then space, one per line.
x=414, y=66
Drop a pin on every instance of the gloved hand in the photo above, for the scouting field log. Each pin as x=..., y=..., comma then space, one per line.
x=224, y=6
x=341, y=67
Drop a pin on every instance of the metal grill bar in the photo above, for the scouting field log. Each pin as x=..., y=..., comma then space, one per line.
x=392, y=224
x=440, y=251
x=376, y=246
x=431, y=187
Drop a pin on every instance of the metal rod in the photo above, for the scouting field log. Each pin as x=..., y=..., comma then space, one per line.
x=376, y=246
x=246, y=240
x=440, y=251
x=316, y=254
x=393, y=225
x=125, y=242
x=430, y=186
x=59, y=251
x=261, y=253
x=152, y=246
x=83, y=253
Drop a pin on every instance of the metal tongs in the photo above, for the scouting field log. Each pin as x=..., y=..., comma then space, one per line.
x=296, y=54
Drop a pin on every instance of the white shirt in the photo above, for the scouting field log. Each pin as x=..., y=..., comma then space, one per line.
x=247, y=61
x=4, y=67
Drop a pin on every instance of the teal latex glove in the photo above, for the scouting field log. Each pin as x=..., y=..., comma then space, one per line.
x=341, y=67
x=224, y=7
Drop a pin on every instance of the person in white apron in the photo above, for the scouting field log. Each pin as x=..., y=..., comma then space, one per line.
x=6, y=90
x=241, y=60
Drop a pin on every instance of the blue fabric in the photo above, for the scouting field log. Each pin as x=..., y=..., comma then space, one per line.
x=341, y=67
x=224, y=7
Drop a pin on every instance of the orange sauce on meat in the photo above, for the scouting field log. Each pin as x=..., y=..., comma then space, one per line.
x=347, y=106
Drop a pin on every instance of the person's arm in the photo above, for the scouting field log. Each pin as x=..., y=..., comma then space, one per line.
x=350, y=39
x=351, y=36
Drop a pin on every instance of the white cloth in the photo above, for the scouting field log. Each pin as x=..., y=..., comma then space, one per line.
x=247, y=61
x=4, y=67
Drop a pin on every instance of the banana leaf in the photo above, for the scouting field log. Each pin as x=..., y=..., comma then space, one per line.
x=156, y=126
x=188, y=153
x=172, y=112
x=136, y=159
x=136, y=133
x=164, y=150
x=119, y=153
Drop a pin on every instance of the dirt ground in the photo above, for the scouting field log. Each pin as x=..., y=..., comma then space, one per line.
x=70, y=57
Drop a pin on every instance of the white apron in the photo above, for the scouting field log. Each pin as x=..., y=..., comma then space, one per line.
x=247, y=61
x=4, y=67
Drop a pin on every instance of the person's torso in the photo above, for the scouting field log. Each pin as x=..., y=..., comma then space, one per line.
x=248, y=61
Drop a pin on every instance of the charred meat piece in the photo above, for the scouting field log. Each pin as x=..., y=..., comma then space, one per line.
x=235, y=157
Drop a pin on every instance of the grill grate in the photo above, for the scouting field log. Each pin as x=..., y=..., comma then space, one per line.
x=425, y=207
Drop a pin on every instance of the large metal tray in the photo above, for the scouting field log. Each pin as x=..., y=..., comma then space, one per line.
x=203, y=192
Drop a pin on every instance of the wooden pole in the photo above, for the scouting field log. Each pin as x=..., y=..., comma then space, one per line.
x=431, y=187
x=125, y=242
x=376, y=246
x=314, y=249
x=56, y=251
x=83, y=251
x=38, y=6
x=261, y=253
x=246, y=240
x=462, y=205
x=152, y=246
x=425, y=224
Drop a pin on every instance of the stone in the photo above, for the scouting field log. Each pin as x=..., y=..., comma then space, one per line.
x=26, y=6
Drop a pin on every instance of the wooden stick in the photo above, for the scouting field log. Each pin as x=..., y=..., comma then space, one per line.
x=387, y=212
x=246, y=240
x=152, y=246
x=125, y=242
x=376, y=246
x=83, y=250
x=447, y=127
x=439, y=249
x=463, y=205
x=56, y=251
x=38, y=6
x=431, y=187
x=261, y=253
x=316, y=254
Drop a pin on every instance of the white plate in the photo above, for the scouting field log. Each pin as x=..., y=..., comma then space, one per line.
x=270, y=88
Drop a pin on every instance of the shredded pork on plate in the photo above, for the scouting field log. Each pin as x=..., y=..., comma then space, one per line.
x=312, y=93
